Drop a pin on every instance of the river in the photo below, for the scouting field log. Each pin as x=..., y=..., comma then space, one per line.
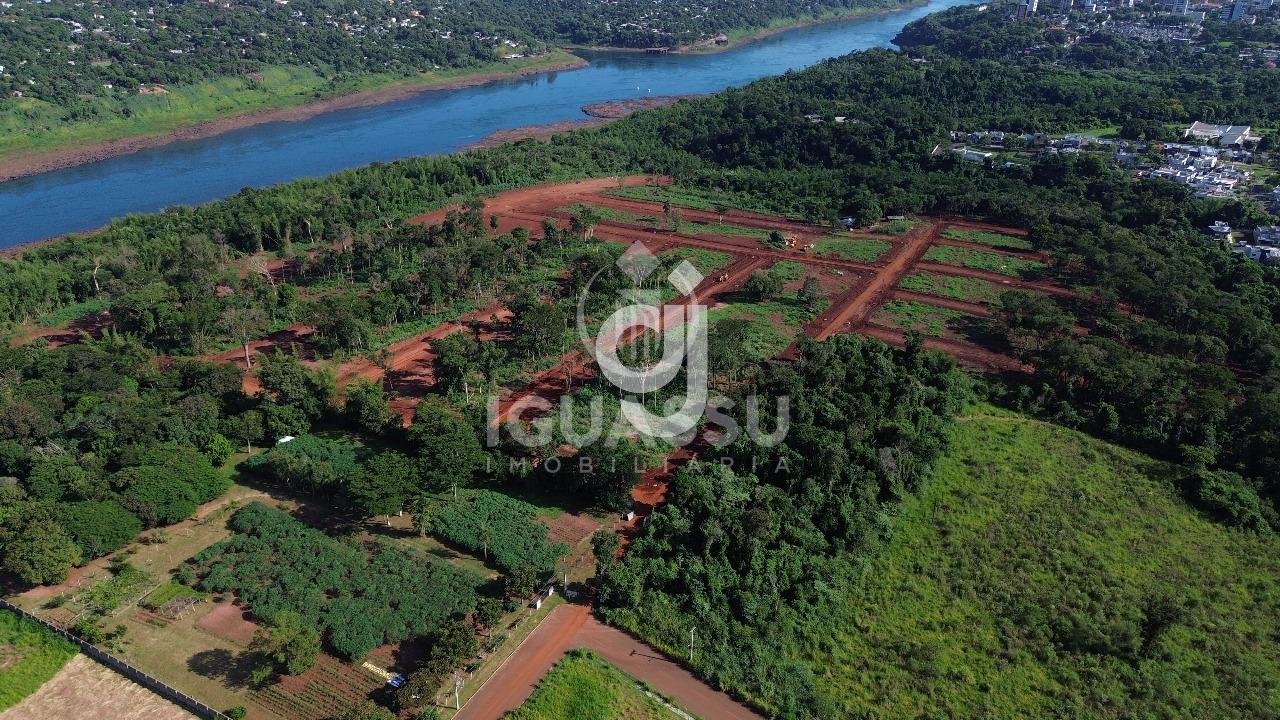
x=441, y=121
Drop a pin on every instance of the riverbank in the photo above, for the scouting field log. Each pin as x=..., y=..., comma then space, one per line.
x=617, y=109
x=734, y=39
x=737, y=38
x=24, y=164
x=534, y=132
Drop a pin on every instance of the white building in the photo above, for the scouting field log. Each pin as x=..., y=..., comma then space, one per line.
x=972, y=155
x=1228, y=135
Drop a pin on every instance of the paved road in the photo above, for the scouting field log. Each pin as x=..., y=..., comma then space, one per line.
x=572, y=626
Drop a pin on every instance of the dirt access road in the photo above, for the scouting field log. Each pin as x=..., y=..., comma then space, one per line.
x=570, y=627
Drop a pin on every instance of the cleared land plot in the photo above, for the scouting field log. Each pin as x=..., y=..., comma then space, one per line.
x=1043, y=573
x=706, y=261
x=901, y=226
x=688, y=197
x=948, y=286
x=986, y=237
x=86, y=690
x=658, y=221
x=928, y=319
x=981, y=260
x=584, y=687
x=857, y=272
x=852, y=248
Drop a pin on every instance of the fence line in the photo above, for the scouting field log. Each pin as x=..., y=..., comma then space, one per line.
x=160, y=688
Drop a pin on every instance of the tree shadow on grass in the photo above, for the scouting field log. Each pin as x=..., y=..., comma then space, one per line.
x=231, y=669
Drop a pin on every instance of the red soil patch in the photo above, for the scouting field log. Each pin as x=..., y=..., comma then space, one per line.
x=409, y=368
x=571, y=528
x=966, y=354
x=90, y=325
x=539, y=197
x=229, y=622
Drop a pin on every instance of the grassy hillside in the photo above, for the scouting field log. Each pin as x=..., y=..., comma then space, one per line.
x=583, y=687
x=29, y=655
x=1042, y=573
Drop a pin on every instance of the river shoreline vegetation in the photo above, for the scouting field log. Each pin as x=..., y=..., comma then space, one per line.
x=78, y=76
x=804, y=576
x=38, y=138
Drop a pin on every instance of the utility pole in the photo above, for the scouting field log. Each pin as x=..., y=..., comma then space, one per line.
x=457, y=700
x=692, y=630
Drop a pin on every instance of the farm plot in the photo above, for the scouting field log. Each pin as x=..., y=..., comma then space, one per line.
x=503, y=528
x=357, y=600
x=327, y=690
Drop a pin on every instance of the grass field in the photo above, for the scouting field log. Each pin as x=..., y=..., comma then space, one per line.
x=981, y=260
x=772, y=324
x=707, y=261
x=29, y=655
x=969, y=289
x=584, y=687
x=993, y=239
x=850, y=248
x=1041, y=573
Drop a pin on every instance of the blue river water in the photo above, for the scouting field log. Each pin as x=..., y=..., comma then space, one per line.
x=192, y=172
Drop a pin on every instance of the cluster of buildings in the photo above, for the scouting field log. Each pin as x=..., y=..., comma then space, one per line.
x=1147, y=31
x=1212, y=166
x=1028, y=8
x=1269, y=57
x=1263, y=246
x=1202, y=169
x=1183, y=12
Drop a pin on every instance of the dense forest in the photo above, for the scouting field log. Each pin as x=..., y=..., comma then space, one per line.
x=86, y=57
x=751, y=559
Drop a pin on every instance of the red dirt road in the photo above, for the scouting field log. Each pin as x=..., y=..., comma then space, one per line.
x=854, y=309
x=515, y=680
x=571, y=626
